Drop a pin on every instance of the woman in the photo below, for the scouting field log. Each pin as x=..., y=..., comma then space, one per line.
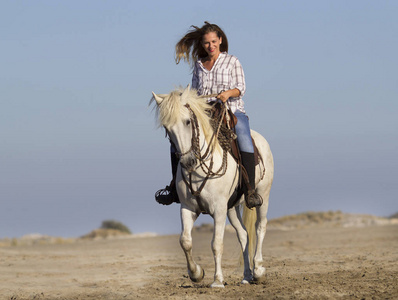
x=216, y=72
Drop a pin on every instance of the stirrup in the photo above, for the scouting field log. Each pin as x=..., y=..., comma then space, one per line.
x=253, y=199
x=164, y=196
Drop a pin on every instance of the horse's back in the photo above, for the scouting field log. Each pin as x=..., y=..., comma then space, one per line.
x=263, y=148
x=266, y=155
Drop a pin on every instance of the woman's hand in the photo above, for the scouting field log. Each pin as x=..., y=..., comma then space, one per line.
x=225, y=95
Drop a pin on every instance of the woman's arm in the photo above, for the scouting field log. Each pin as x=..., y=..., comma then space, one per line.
x=238, y=79
x=224, y=96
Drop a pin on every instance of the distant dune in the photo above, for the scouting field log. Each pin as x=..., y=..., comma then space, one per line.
x=290, y=222
x=328, y=219
x=318, y=219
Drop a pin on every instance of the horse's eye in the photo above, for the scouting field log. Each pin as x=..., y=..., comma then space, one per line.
x=188, y=122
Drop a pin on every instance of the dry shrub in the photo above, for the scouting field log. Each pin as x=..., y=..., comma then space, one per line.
x=394, y=216
x=115, y=225
x=109, y=228
x=103, y=233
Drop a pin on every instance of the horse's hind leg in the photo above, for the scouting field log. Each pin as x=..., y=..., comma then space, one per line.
x=196, y=273
x=261, y=227
x=236, y=221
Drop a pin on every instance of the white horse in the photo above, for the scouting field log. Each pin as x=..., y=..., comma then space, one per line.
x=185, y=116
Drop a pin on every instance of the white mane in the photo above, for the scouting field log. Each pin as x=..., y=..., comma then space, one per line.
x=172, y=109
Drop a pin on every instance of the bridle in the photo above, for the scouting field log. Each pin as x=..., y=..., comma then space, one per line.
x=195, y=149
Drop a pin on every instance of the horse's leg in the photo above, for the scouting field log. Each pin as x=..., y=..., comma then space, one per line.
x=236, y=221
x=217, y=246
x=261, y=227
x=196, y=273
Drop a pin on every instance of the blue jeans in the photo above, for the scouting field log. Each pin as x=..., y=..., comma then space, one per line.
x=242, y=129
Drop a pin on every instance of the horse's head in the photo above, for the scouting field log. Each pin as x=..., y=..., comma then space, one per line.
x=184, y=115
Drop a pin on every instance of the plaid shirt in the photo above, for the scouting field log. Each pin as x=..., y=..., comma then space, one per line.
x=226, y=74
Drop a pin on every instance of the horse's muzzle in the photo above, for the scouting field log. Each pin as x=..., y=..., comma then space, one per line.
x=189, y=162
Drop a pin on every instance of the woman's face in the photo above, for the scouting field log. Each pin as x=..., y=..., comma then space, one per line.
x=211, y=43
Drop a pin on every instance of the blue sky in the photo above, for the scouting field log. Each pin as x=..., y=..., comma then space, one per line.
x=78, y=143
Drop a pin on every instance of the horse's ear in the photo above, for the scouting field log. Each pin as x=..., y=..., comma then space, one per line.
x=187, y=90
x=157, y=98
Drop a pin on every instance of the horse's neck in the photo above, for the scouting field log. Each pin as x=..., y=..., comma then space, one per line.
x=211, y=151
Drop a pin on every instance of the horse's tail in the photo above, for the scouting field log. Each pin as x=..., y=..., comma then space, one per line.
x=249, y=221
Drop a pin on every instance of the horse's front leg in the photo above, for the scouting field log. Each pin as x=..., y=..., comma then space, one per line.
x=196, y=273
x=236, y=221
x=217, y=246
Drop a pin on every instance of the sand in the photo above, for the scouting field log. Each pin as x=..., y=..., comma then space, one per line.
x=306, y=263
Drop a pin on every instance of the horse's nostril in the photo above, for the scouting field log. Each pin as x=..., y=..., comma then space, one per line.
x=188, y=163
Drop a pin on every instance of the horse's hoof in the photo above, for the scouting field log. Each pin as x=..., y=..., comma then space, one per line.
x=258, y=274
x=200, y=274
x=245, y=281
x=247, y=277
x=217, y=284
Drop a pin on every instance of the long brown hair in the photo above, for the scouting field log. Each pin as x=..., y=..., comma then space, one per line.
x=190, y=46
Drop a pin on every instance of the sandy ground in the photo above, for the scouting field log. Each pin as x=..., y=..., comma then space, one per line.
x=308, y=263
